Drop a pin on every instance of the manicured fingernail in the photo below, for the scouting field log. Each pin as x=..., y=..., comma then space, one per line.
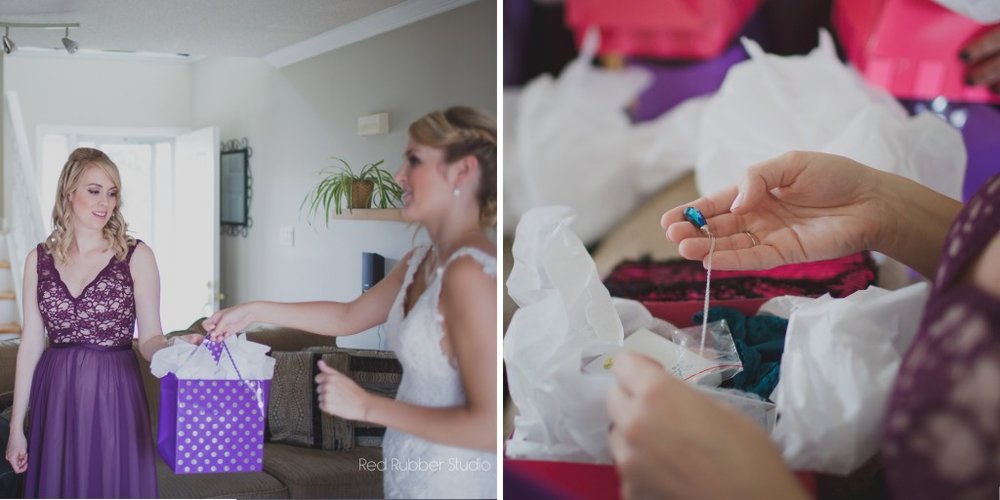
x=737, y=201
x=964, y=55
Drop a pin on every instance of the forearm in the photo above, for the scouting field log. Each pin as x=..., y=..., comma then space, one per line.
x=455, y=426
x=28, y=355
x=323, y=318
x=916, y=224
x=151, y=345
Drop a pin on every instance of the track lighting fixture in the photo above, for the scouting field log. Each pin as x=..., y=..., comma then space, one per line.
x=9, y=46
x=71, y=45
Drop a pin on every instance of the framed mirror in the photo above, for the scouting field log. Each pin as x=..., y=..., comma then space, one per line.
x=234, y=182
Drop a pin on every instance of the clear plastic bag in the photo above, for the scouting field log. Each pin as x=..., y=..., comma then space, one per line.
x=760, y=411
x=679, y=351
x=719, y=349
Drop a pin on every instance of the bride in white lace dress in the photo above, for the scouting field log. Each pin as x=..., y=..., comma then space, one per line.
x=439, y=305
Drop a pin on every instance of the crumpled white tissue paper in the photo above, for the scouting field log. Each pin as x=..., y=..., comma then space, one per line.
x=186, y=361
x=565, y=314
x=840, y=361
x=772, y=104
x=981, y=11
x=569, y=141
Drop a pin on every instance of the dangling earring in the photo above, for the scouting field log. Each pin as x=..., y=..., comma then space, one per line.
x=455, y=193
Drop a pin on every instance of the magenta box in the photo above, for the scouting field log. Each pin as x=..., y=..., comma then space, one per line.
x=909, y=47
x=685, y=29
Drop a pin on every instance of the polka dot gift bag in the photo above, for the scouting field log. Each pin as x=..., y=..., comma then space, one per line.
x=212, y=416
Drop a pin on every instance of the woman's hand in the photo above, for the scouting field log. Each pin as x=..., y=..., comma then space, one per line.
x=982, y=58
x=669, y=441
x=340, y=395
x=229, y=321
x=800, y=207
x=17, y=452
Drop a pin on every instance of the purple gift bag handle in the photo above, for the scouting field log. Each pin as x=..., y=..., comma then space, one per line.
x=216, y=349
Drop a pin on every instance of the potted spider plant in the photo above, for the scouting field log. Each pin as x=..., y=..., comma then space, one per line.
x=340, y=183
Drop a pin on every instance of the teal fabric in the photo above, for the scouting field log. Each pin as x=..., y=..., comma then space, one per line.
x=760, y=341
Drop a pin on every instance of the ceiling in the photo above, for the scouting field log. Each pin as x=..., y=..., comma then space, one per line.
x=249, y=28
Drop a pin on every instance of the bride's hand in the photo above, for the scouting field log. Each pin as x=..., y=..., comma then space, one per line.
x=229, y=321
x=340, y=395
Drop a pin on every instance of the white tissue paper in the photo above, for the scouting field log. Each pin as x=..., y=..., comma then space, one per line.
x=771, y=104
x=559, y=338
x=783, y=306
x=634, y=317
x=981, y=11
x=569, y=141
x=186, y=361
x=841, y=358
x=565, y=313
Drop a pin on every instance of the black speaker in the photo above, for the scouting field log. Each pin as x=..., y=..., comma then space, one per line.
x=372, y=270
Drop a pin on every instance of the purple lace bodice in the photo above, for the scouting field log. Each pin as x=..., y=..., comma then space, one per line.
x=942, y=430
x=103, y=314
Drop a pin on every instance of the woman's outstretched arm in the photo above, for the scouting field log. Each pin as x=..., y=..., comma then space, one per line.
x=468, y=305
x=320, y=317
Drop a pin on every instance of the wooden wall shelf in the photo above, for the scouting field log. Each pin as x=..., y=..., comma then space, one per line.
x=387, y=214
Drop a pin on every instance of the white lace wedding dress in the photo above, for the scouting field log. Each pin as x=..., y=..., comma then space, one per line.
x=414, y=467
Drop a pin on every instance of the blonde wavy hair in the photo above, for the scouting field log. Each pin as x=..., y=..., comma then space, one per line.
x=462, y=131
x=115, y=231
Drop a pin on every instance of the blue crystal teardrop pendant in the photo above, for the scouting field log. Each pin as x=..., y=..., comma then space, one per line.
x=695, y=217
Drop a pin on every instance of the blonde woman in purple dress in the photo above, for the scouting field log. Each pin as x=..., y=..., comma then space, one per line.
x=85, y=289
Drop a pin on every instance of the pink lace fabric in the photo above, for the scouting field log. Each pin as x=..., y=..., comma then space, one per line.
x=103, y=314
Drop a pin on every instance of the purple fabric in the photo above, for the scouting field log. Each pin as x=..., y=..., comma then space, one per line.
x=212, y=426
x=982, y=143
x=675, y=82
x=517, y=18
x=89, y=427
x=942, y=429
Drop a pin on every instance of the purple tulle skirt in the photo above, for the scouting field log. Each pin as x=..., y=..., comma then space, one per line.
x=89, y=434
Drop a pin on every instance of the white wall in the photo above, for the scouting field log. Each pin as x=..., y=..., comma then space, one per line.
x=96, y=92
x=297, y=117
